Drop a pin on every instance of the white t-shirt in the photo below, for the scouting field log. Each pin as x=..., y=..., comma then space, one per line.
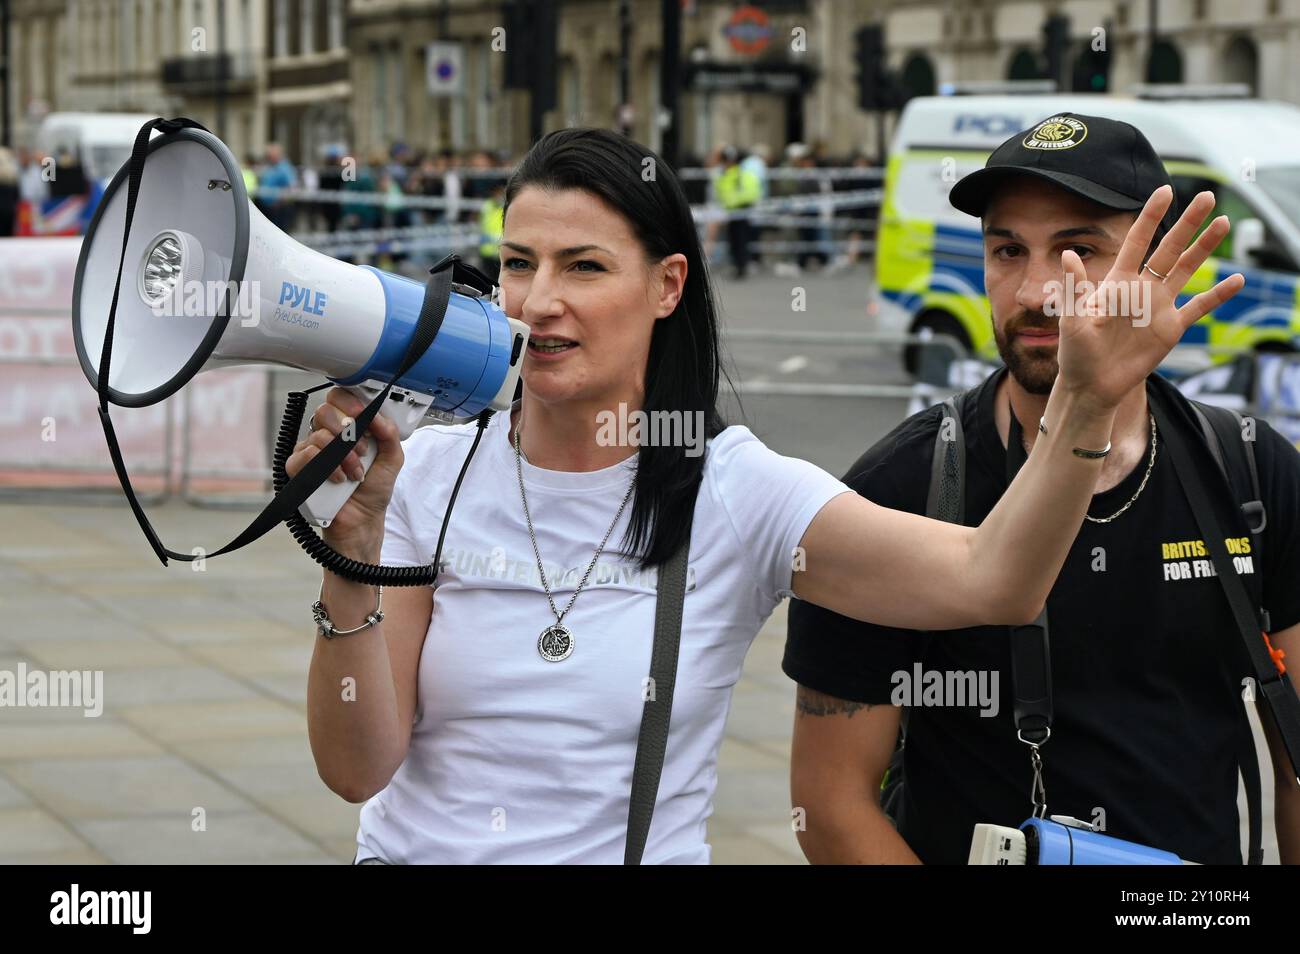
x=519, y=760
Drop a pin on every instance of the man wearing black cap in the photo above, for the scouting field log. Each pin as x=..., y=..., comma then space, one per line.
x=1145, y=659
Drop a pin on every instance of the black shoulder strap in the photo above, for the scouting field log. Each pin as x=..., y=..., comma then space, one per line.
x=1274, y=684
x=1233, y=449
x=1224, y=436
x=1031, y=658
x=1030, y=646
x=946, y=499
x=652, y=740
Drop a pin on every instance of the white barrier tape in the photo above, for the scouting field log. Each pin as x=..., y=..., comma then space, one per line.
x=787, y=174
x=348, y=197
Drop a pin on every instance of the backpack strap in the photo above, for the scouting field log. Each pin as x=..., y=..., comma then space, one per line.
x=1224, y=437
x=1031, y=659
x=1225, y=430
x=947, y=496
x=1222, y=429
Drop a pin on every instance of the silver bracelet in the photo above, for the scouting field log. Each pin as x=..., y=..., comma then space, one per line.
x=324, y=627
x=1079, y=451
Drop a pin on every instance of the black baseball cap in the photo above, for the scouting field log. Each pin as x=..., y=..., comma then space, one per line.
x=1105, y=160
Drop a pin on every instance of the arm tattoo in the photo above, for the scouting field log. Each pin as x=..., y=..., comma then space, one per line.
x=811, y=702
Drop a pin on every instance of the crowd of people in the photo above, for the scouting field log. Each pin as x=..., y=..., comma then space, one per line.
x=469, y=186
x=29, y=178
x=742, y=179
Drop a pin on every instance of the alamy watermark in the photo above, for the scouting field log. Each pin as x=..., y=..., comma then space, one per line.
x=57, y=689
x=947, y=688
x=1131, y=299
x=624, y=428
x=204, y=299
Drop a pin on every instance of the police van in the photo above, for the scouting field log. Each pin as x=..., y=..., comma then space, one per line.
x=929, y=271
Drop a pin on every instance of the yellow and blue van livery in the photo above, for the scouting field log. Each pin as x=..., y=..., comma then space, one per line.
x=929, y=267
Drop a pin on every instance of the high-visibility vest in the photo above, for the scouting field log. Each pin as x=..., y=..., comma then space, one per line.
x=491, y=221
x=738, y=187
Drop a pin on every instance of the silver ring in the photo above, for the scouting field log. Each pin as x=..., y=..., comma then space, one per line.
x=311, y=422
x=1154, y=272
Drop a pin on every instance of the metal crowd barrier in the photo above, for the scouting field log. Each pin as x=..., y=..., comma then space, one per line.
x=88, y=491
x=932, y=384
x=269, y=424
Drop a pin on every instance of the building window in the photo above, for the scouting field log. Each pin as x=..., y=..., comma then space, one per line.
x=246, y=20
x=655, y=139
x=484, y=129
x=149, y=33
x=281, y=27
x=918, y=76
x=308, y=27
x=159, y=42
x=398, y=86
x=1164, y=63
x=379, y=118
x=458, y=121
x=570, y=93
x=335, y=24
x=1024, y=66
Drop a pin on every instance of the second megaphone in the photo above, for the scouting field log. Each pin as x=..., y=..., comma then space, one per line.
x=208, y=282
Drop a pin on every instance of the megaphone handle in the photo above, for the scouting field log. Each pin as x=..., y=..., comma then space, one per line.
x=327, y=500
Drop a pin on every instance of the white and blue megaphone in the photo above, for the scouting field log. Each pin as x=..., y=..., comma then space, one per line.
x=194, y=232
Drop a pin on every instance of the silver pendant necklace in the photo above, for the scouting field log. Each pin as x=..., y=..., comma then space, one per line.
x=1151, y=463
x=556, y=642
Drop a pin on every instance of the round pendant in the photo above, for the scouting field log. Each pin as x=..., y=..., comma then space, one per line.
x=556, y=643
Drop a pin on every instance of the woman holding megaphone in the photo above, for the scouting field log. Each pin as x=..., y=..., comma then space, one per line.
x=495, y=716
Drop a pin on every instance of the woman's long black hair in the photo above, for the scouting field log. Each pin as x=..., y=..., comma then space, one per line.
x=685, y=364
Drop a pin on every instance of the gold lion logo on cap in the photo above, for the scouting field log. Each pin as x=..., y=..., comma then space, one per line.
x=1059, y=132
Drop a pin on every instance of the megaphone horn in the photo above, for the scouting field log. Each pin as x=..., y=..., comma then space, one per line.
x=206, y=281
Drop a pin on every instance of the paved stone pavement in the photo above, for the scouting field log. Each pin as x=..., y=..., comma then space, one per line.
x=205, y=679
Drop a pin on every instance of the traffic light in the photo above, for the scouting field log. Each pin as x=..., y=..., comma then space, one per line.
x=518, y=62
x=872, y=76
x=1056, y=40
x=1092, y=71
x=531, y=62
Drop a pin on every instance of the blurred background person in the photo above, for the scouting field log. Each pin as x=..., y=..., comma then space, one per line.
x=491, y=221
x=9, y=173
x=863, y=216
x=249, y=173
x=738, y=191
x=756, y=161
x=279, y=173
x=453, y=185
x=812, y=237
x=309, y=209
x=69, y=179
x=331, y=180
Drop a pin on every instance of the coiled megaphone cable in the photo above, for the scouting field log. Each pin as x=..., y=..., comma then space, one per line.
x=316, y=547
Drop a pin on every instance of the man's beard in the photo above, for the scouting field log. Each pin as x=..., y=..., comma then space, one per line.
x=1033, y=366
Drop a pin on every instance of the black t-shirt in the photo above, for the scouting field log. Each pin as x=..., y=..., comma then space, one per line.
x=1146, y=660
